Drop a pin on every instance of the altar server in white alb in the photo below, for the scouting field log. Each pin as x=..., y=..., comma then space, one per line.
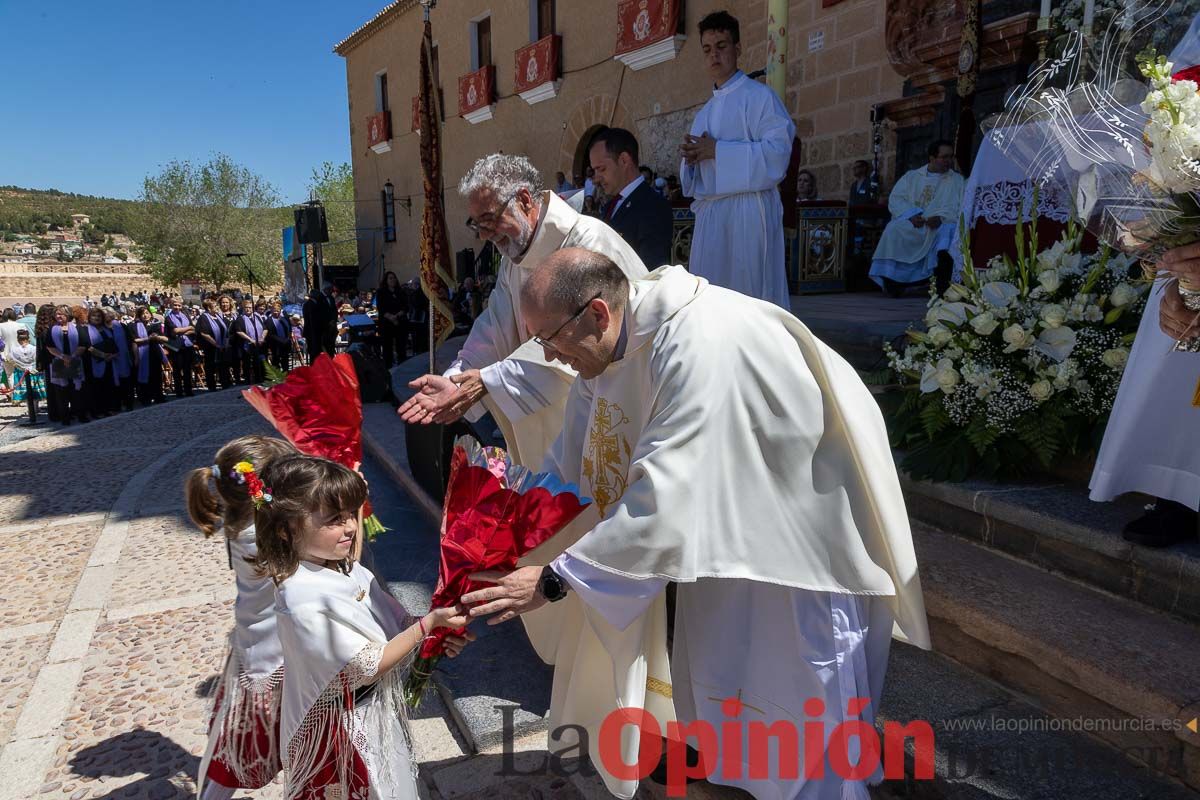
x=342, y=726
x=730, y=451
x=733, y=160
x=243, y=736
x=925, y=205
x=497, y=370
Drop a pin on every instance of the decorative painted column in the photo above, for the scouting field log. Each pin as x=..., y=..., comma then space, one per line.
x=777, y=15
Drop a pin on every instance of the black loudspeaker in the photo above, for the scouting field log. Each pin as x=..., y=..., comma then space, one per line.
x=464, y=262
x=373, y=379
x=310, y=225
x=429, y=450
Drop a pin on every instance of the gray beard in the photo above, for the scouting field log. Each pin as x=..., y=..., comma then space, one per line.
x=517, y=247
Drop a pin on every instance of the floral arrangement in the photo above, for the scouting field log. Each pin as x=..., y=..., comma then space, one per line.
x=1019, y=364
x=495, y=512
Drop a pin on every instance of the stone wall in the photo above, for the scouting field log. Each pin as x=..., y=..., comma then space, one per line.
x=34, y=287
x=830, y=89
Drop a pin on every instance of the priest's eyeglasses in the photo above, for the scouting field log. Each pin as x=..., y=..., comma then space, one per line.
x=487, y=222
x=544, y=341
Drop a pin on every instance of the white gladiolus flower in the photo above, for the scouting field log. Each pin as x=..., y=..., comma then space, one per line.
x=1050, y=280
x=941, y=375
x=1115, y=358
x=1122, y=295
x=1056, y=343
x=1041, y=391
x=984, y=323
x=999, y=293
x=1053, y=315
x=955, y=293
x=955, y=313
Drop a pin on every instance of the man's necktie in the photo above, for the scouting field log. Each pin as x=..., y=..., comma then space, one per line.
x=611, y=208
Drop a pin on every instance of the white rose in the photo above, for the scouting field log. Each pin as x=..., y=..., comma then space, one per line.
x=1017, y=338
x=1070, y=263
x=999, y=293
x=947, y=379
x=984, y=323
x=1041, y=391
x=1053, y=315
x=1056, y=343
x=1122, y=295
x=939, y=336
x=1050, y=280
x=1115, y=358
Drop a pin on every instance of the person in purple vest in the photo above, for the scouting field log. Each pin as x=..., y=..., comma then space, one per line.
x=251, y=334
x=100, y=379
x=279, y=337
x=213, y=333
x=123, y=363
x=66, y=350
x=179, y=330
x=148, y=341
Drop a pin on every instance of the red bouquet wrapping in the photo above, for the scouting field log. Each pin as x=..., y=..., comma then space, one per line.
x=495, y=512
x=319, y=410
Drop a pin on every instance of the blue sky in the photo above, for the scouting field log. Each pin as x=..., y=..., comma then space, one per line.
x=96, y=95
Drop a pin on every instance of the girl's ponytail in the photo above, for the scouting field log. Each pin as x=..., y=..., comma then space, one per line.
x=203, y=504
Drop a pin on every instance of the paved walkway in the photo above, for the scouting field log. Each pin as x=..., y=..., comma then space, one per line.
x=114, y=611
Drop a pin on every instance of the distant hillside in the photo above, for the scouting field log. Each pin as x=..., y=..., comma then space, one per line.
x=33, y=210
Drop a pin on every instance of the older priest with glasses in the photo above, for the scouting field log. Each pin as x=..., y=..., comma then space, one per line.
x=498, y=368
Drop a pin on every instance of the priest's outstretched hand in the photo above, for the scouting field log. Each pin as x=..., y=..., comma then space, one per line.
x=514, y=594
x=442, y=400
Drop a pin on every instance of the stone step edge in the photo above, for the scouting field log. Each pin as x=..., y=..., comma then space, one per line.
x=433, y=510
x=1155, y=578
x=1030, y=670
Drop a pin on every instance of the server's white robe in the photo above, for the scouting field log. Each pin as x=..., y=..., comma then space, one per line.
x=738, y=238
x=729, y=446
x=907, y=254
x=1152, y=442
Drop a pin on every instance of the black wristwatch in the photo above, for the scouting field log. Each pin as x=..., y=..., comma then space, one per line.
x=552, y=587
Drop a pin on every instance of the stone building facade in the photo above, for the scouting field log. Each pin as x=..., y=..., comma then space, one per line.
x=844, y=58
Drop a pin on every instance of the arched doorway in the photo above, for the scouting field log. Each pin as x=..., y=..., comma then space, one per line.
x=581, y=162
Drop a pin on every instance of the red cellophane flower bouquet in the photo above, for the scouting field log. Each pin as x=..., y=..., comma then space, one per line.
x=495, y=512
x=319, y=410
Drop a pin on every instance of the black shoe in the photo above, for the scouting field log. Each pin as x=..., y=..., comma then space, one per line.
x=1167, y=523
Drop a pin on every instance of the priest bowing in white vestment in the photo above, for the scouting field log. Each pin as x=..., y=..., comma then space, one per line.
x=733, y=160
x=493, y=371
x=498, y=369
x=730, y=451
x=925, y=206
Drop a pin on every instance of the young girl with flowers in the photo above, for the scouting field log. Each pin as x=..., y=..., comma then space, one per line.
x=343, y=731
x=243, y=739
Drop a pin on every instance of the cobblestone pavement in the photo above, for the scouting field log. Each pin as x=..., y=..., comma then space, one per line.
x=114, y=611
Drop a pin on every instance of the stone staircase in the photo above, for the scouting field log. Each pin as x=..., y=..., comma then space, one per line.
x=1041, y=612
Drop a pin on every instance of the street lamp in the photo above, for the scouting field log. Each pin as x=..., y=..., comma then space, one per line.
x=242, y=256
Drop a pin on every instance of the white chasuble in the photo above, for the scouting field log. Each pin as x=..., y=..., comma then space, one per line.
x=907, y=254
x=333, y=628
x=524, y=393
x=1152, y=442
x=727, y=443
x=738, y=238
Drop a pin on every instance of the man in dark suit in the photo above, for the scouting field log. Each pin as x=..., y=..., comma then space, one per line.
x=320, y=322
x=641, y=215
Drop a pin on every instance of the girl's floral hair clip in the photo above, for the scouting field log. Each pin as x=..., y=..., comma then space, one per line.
x=243, y=472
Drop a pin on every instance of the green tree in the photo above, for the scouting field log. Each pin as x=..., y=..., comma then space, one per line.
x=121, y=254
x=192, y=215
x=333, y=184
x=43, y=244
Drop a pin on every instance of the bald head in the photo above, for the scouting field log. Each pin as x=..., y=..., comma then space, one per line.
x=573, y=303
x=570, y=277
